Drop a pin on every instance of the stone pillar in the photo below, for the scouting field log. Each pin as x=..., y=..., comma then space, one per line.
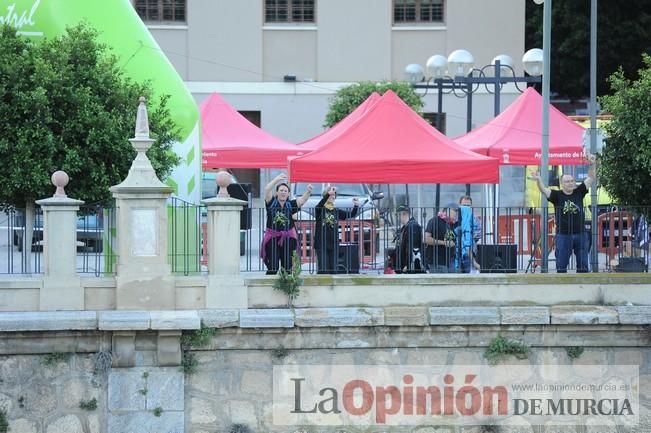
x=62, y=288
x=225, y=288
x=144, y=279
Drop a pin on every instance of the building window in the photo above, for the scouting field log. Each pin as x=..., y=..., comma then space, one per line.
x=161, y=10
x=417, y=11
x=289, y=11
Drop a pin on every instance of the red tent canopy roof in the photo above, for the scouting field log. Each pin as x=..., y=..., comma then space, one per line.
x=392, y=144
x=515, y=135
x=229, y=140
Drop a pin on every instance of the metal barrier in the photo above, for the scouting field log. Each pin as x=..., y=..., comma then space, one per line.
x=622, y=240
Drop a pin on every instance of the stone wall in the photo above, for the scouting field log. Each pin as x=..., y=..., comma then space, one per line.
x=42, y=394
x=232, y=385
x=235, y=386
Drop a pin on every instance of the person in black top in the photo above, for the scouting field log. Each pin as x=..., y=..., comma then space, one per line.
x=326, y=230
x=409, y=240
x=440, y=240
x=280, y=239
x=570, y=216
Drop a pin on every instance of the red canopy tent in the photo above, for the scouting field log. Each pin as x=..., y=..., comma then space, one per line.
x=392, y=144
x=229, y=140
x=342, y=125
x=515, y=136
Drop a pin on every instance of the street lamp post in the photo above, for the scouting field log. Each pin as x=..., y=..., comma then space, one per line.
x=456, y=74
x=544, y=168
x=593, y=129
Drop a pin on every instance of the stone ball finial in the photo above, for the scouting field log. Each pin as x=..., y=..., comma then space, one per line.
x=223, y=180
x=60, y=179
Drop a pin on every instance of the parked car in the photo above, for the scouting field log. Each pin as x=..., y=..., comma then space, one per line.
x=90, y=229
x=345, y=194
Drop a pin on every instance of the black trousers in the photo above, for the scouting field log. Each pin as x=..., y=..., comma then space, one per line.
x=327, y=259
x=276, y=255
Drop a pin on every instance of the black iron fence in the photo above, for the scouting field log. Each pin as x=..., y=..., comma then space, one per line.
x=501, y=240
x=95, y=242
x=497, y=240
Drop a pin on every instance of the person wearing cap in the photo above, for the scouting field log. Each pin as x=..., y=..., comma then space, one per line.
x=440, y=239
x=408, y=241
x=326, y=230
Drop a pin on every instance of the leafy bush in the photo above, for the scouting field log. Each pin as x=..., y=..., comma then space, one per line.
x=501, y=347
x=239, y=428
x=189, y=363
x=348, y=98
x=88, y=404
x=290, y=282
x=625, y=169
x=198, y=337
x=574, y=352
x=4, y=422
x=52, y=359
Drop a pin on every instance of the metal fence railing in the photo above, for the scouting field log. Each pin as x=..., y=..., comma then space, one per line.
x=16, y=258
x=503, y=240
x=95, y=242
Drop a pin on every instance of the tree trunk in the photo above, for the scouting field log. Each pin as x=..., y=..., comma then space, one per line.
x=29, y=234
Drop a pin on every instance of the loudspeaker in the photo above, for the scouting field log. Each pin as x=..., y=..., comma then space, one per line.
x=631, y=264
x=348, y=260
x=501, y=258
x=241, y=191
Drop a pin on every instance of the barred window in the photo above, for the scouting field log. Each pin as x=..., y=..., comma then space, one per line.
x=418, y=11
x=161, y=10
x=289, y=11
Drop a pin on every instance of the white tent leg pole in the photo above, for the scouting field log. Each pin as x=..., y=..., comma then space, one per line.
x=488, y=212
x=496, y=202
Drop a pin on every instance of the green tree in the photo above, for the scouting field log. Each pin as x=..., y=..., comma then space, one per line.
x=350, y=97
x=66, y=105
x=623, y=32
x=625, y=169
